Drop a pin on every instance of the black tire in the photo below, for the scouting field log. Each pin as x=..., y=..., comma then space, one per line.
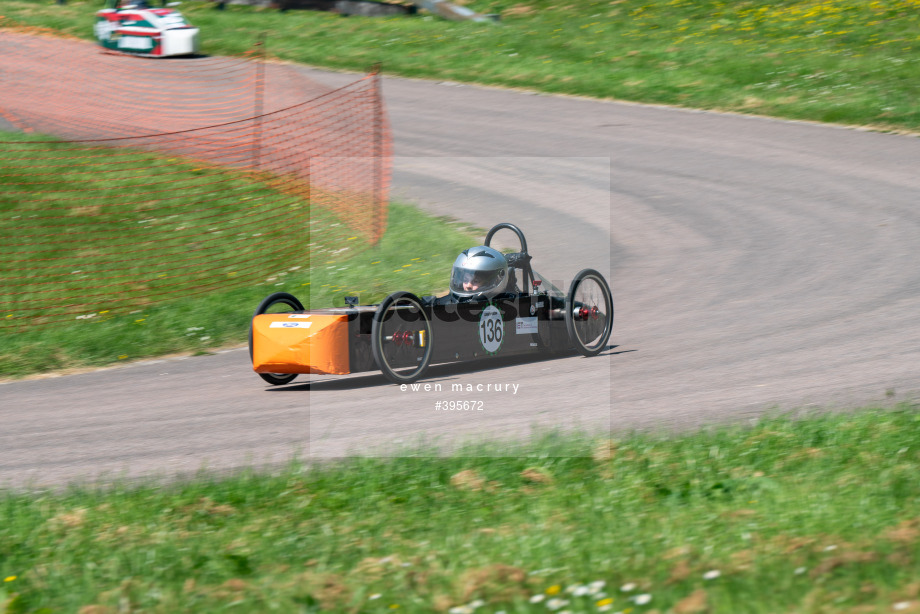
x=403, y=359
x=589, y=329
x=290, y=302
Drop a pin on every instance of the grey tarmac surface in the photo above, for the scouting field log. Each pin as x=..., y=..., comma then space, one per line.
x=756, y=265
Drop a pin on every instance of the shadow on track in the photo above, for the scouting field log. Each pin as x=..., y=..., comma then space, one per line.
x=435, y=373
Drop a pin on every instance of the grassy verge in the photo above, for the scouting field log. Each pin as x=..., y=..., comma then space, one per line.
x=415, y=254
x=171, y=256
x=829, y=60
x=814, y=515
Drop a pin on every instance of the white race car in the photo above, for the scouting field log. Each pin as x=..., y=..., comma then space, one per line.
x=133, y=26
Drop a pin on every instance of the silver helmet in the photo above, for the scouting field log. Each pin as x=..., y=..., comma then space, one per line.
x=479, y=272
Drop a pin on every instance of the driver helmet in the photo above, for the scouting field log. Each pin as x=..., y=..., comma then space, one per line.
x=479, y=272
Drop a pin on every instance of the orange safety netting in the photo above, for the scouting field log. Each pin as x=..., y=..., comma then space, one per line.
x=177, y=176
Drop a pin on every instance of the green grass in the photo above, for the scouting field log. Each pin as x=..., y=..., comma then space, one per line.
x=167, y=262
x=416, y=255
x=844, y=61
x=90, y=229
x=811, y=515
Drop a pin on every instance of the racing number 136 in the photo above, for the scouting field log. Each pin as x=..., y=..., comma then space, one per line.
x=491, y=328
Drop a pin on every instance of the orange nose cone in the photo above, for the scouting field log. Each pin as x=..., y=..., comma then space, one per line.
x=300, y=343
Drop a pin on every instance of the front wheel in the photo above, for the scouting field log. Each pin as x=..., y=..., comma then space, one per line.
x=589, y=312
x=401, y=338
x=279, y=302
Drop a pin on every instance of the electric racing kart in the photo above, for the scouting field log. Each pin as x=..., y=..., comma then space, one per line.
x=404, y=334
x=133, y=26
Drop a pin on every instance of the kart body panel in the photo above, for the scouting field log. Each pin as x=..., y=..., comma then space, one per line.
x=301, y=343
x=338, y=340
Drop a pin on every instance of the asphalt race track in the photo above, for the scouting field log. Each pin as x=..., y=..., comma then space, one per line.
x=756, y=265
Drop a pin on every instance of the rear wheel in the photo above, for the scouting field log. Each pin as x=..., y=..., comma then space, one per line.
x=279, y=302
x=589, y=312
x=401, y=338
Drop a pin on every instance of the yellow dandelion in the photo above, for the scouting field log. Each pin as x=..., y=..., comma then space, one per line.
x=9, y=578
x=553, y=590
x=603, y=602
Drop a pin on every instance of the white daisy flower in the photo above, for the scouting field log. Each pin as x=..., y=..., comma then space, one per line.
x=629, y=586
x=642, y=599
x=712, y=574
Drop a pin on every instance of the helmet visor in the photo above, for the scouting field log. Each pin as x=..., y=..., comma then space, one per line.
x=466, y=280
